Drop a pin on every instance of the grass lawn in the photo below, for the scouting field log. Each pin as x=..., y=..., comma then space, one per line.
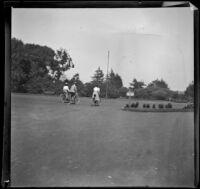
x=57, y=144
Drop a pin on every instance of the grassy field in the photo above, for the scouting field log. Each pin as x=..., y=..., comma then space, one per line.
x=57, y=144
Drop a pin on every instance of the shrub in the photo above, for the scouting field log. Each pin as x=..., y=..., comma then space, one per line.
x=133, y=105
x=123, y=91
x=113, y=92
x=153, y=106
x=136, y=104
x=127, y=106
x=161, y=106
x=144, y=105
x=147, y=105
x=169, y=105
x=189, y=106
x=161, y=93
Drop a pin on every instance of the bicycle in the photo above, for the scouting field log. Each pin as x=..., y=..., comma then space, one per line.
x=65, y=97
x=75, y=99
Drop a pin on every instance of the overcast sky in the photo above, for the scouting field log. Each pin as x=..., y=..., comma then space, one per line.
x=144, y=43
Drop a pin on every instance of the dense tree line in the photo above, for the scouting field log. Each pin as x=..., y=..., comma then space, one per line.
x=39, y=69
x=159, y=90
x=35, y=68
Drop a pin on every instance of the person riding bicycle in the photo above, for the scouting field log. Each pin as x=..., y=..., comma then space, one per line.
x=73, y=92
x=66, y=91
x=96, y=95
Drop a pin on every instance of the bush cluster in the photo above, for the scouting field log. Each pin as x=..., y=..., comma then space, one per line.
x=135, y=105
x=169, y=105
x=127, y=106
x=189, y=106
x=161, y=106
x=146, y=106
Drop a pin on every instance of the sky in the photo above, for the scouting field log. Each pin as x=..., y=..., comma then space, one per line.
x=143, y=43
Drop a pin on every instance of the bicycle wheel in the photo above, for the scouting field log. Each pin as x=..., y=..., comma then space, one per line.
x=76, y=99
x=62, y=96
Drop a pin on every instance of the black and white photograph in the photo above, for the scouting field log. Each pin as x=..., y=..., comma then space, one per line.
x=102, y=97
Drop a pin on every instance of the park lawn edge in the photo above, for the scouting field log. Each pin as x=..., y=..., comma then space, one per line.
x=156, y=110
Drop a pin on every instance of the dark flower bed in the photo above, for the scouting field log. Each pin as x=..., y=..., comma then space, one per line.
x=161, y=108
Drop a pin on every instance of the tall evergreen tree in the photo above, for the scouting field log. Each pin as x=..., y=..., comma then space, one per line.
x=115, y=79
x=98, y=77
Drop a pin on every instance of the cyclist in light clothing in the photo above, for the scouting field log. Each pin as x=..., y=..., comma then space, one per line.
x=96, y=95
x=66, y=90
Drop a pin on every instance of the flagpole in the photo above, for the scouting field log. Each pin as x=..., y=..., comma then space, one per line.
x=107, y=76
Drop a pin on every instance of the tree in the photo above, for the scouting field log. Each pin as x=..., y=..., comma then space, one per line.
x=154, y=93
x=158, y=83
x=88, y=89
x=33, y=66
x=189, y=92
x=40, y=85
x=98, y=77
x=115, y=79
x=123, y=91
x=79, y=84
x=161, y=94
x=62, y=63
x=112, y=91
x=18, y=66
x=137, y=84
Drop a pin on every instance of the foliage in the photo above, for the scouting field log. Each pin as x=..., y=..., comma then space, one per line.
x=113, y=84
x=135, y=105
x=112, y=91
x=169, y=105
x=178, y=97
x=158, y=84
x=153, y=93
x=98, y=77
x=88, y=89
x=189, y=106
x=161, y=94
x=62, y=63
x=39, y=84
x=127, y=106
x=36, y=68
x=123, y=91
x=189, y=92
x=137, y=84
x=115, y=80
x=79, y=84
x=161, y=106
